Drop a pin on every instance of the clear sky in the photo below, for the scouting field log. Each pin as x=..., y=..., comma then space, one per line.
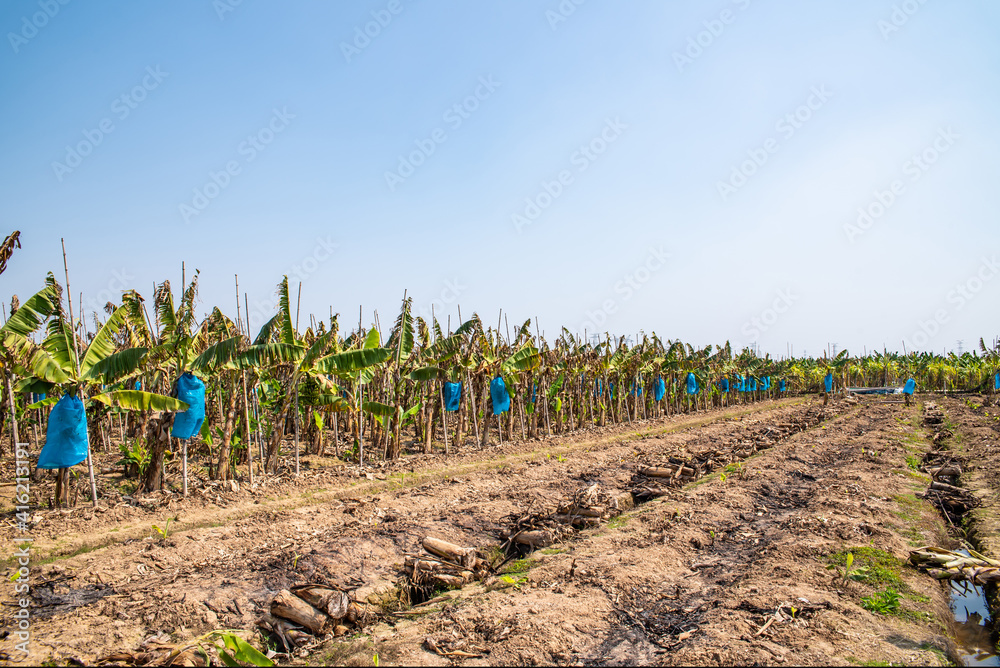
x=785, y=173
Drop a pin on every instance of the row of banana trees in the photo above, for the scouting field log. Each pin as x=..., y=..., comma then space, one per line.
x=368, y=396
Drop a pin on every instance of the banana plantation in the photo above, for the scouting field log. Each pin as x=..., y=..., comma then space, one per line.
x=370, y=394
x=288, y=494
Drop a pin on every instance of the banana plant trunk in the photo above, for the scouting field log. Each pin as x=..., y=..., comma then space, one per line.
x=222, y=468
x=158, y=439
x=14, y=435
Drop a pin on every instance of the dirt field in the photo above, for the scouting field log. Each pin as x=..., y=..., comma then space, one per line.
x=741, y=566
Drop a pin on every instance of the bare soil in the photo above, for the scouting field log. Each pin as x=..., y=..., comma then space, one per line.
x=730, y=569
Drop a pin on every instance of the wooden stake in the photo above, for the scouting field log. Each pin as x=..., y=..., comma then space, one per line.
x=76, y=360
x=246, y=417
x=336, y=435
x=444, y=422
x=298, y=305
x=296, y=425
x=475, y=415
x=184, y=464
x=246, y=314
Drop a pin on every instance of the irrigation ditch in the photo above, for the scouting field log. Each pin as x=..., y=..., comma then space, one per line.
x=962, y=466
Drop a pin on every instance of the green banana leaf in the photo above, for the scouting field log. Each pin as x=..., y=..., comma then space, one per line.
x=137, y=400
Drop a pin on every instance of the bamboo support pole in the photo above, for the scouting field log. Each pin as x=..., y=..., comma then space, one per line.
x=475, y=416
x=184, y=463
x=76, y=359
x=444, y=422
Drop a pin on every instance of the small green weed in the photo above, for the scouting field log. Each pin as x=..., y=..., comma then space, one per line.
x=869, y=565
x=163, y=532
x=737, y=469
x=518, y=566
x=552, y=550
x=913, y=462
x=514, y=582
x=884, y=602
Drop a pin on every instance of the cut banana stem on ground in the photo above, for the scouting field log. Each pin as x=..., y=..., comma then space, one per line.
x=947, y=565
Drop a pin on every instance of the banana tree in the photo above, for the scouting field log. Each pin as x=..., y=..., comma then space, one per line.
x=292, y=359
x=62, y=365
x=16, y=346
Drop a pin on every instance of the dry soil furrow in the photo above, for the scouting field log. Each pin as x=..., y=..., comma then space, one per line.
x=223, y=576
x=711, y=575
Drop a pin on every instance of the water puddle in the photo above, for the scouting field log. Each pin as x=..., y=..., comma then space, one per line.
x=975, y=630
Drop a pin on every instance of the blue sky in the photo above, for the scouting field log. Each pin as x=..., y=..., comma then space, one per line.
x=782, y=173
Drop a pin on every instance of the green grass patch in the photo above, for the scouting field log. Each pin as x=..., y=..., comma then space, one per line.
x=922, y=477
x=910, y=507
x=884, y=602
x=617, y=522
x=873, y=566
x=518, y=566
x=913, y=462
x=914, y=536
x=888, y=602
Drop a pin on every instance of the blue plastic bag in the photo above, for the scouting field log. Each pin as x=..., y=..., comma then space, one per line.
x=724, y=385
x=66, y=436
x=753, y=385
x=740, y=384
x=452, y=393
x=910, y=386
x=692, y=384
x=781, y=385
x=996, y=381
x=499, y=395
x=766, y=382
x=191, y=391
x=636, y=389
x=659, y=388
x=828, y=382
